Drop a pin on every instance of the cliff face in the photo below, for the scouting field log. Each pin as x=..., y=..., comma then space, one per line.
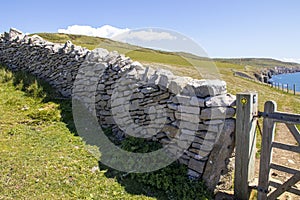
x=266, y=75
x=185, y=115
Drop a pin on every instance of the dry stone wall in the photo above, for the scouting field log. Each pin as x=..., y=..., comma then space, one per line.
x=134, y=99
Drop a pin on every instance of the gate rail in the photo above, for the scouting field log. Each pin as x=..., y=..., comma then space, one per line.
x=245, y=148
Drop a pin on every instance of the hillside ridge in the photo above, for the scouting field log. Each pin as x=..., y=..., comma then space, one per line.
x=92, y=42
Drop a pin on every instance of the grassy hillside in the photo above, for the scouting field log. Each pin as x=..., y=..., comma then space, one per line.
x=179, y=62
x=182, y=64
x=87, y=41
x=42, y=158
x=95, y=42
x=258, y=62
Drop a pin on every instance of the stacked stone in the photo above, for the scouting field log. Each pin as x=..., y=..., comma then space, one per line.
x=55, y=63
x=186, y=114
x=192, y=110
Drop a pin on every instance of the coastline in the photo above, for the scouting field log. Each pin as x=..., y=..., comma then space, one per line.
x=289, y=81
x=265, y=75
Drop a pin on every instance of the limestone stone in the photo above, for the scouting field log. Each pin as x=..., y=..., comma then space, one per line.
x=163, y=72
x=172, y=106
x=220, y=100
x=206, y=146
x=183, y=161
x=208, y=135
x=195, y=101
x=137, y=65
x=198, y=140
x=188, y=109
x=196, y=165
x=195, y=153
x=105, y=97
x=165, y=141
x=180, y=99
x=193, y=174
x=124, y=92
x=148, y=90
x=160, y=135
x=213, y=122
x=161, y=97
x=137, y=95
x=196, y=145
x=189, y=125
x=185, y=156
x=187, y=135
x=162, y=81
x=14, y=33
x=109, y=120
x=210, y=128
x=35, y=39
x=228, y=127
x=170, y=129
x=177, y=85
x=189, y=117
x=205, y=88
x=217, y=113
x=222, y=150
x=187, y=132
x=132, y=75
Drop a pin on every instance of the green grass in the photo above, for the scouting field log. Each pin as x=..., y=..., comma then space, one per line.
x=257, y=62
x=182, y=64
x=179, y=62
x=157, y=57
x=40, y=157
x=148, y=55
x=88, y=41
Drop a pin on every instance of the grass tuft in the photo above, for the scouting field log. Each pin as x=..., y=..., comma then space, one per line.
x=41, y=158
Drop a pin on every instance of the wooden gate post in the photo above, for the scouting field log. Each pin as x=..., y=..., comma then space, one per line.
x=245, y=143
x=266, y=151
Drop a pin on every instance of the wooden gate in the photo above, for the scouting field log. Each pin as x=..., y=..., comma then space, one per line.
x=271, y=117
x=245, y=148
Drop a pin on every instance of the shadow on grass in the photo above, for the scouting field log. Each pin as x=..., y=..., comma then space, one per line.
x=170, y=182
x=41, y=91
x=131, y=184
x=167, y=183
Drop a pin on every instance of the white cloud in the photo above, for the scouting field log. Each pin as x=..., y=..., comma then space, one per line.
x=146, y=35
x=125, y=34
x=105, y=31
x=294, y=60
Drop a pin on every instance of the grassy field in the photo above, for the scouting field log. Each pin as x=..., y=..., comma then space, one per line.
x=257, y=62
x=41, y=158
x=189, y=65
x=149, y=55
x=184, y=64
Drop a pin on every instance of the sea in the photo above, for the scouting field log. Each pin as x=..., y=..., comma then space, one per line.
x=290, y=79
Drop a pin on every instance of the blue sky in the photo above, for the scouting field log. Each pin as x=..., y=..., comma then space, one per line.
x=223, y=28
